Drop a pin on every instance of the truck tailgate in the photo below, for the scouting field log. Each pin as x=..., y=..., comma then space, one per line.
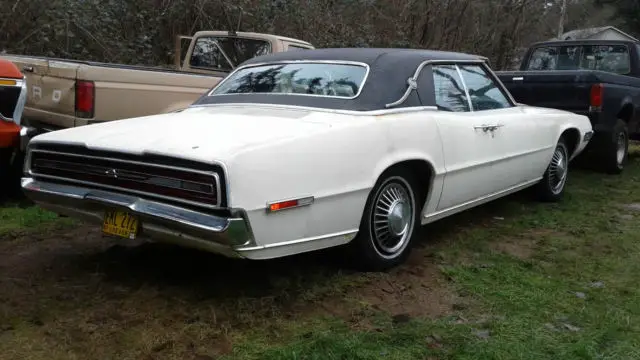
x=51, y=89
x=566, y=90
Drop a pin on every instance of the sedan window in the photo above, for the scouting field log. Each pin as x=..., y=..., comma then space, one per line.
x=449, y=91
x=300, y=78
x=483, y=90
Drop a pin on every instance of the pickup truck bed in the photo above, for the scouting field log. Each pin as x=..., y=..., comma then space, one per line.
x=69, y=93
x=103, y=91
x=584, y=81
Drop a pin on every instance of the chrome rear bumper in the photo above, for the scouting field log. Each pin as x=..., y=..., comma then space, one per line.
x=160, y=221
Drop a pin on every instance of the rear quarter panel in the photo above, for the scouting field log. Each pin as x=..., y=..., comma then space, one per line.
x=338, y=167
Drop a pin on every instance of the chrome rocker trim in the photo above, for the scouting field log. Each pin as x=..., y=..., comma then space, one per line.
x=173, y=224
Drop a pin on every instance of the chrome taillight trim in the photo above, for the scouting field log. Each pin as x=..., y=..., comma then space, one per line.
x=214, y=175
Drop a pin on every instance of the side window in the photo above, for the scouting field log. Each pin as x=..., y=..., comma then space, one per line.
x=483, y=90
x=449, y=92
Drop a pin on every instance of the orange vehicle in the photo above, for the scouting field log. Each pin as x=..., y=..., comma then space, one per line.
x=13, y=96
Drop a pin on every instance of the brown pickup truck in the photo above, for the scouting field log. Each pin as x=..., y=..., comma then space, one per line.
x=68, y=93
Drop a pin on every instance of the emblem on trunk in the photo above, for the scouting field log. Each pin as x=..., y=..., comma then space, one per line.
x=112, y=172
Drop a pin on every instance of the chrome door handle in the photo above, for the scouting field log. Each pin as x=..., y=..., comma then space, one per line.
x=486, y=128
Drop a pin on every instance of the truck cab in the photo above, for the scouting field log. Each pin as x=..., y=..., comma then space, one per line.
x=596, y=78
x=219, y=52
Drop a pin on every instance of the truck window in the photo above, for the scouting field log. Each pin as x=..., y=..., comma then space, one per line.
x=207, y=55
x=610, y=58
x=295, y=48
x=450, y=95
x=484, y=92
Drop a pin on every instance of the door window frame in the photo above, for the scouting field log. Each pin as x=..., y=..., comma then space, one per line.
x=496, y=81
x=416, y=82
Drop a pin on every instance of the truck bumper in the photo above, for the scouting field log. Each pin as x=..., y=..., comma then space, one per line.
x=172, y=224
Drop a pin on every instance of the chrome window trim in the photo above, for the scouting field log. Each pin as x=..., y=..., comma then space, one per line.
x=28, y=165
x=379, y=112
x=413, y=81
x=334, y=62
x=500, y=85
x=464, y=86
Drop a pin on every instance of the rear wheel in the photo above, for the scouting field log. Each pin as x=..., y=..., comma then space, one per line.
x=614, y=149
x=390, y=222
x=551, y=187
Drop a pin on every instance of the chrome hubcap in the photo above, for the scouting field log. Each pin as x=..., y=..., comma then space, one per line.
x=392, y=222
x=558, y=170
x=622, y=147
x=398, y=217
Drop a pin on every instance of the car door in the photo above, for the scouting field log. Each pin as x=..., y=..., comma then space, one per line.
x=523, y=144
x=471, y=151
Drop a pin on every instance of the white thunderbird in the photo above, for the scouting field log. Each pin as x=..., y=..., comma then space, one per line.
x=300, y=151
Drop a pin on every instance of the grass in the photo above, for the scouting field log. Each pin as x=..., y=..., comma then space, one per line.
x=515, y=279
x=14, y=217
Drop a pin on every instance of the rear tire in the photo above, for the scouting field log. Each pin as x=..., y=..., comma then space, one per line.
x=614, y=149
x=551, y=187
x=390, y=222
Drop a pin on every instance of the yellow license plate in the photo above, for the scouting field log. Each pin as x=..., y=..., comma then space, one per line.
x=120, y=223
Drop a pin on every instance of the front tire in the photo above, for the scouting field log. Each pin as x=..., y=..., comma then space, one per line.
x=390, y=222
x=551, y=187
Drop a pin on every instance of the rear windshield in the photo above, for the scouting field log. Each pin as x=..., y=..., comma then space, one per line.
x=300, y=78
x=610, y=58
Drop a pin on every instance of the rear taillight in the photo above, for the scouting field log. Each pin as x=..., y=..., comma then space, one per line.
x=596, y=95
x=85, y=99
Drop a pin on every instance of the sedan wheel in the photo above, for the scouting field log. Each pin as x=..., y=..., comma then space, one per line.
x=389, y=223
x=551, y=188
x=558, y=170
x=392, y=217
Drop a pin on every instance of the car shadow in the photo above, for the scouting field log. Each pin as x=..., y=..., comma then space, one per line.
x=206, y=275
x=201, y=275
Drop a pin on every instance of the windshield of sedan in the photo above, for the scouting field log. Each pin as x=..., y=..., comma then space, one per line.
x=300, y=78
x=610, y=58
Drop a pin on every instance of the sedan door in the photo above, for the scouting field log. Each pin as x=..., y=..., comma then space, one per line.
x=524, y=143
x=471, y=151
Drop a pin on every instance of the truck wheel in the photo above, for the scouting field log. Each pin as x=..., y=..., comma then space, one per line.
x=390, y=222
x=614, y=149
x=551, y=187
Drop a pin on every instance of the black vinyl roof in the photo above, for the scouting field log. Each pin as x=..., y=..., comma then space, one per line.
x=387, y=80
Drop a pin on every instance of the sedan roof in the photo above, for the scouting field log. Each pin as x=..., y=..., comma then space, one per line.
x=389, y=69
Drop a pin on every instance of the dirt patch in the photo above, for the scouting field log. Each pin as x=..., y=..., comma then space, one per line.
x=67, y=291
x=522, y=248
x=416, y=289
x=525, y=245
